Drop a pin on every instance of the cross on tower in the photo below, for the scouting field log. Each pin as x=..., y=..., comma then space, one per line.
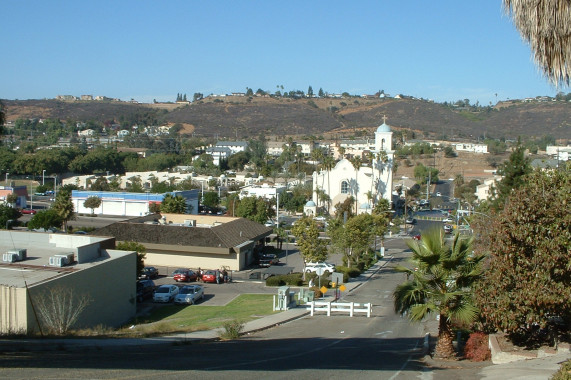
x=384, y=119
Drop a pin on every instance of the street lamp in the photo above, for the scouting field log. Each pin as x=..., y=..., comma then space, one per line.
x=7, y=178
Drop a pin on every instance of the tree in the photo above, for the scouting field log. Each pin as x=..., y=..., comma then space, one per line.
x=311, y=248
x=512, y=172
x=174, y=204
x=439, y=281
x=528, y=280
x=356, y=162
x=59, y=308
x=141, y=253
x=8, y=213
x=544, y=24
x=211, y=199
x=63, y=206
x=321, y=93
x=254, y=208
x=310, y=92
x=92, y=203
x=45, y=219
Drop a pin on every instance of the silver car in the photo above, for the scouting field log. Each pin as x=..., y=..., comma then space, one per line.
x=165, y=293
x=189, y=295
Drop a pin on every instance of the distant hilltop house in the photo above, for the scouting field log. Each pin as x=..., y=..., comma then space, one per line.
x=21, y=193
x=469, y=147
x=264, y=191
x=86, y=133
x=558, y=152
x=484, y=190
x=224, y=149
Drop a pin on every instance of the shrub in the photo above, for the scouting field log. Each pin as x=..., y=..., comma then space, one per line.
x=317, y=292
x=293, y=279
x=232, y=330
x=476, y=348
x=275, y=281
x=564, y=372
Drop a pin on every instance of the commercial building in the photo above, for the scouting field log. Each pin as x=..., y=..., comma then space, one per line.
x=193, y=241
x=33, y=263
x=128, y=204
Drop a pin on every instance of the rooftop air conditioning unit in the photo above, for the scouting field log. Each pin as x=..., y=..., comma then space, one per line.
x=21, y=252
x=61, y=260
x=190, y=222
x=10, y=257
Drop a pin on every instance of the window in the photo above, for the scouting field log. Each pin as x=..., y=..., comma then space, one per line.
x=344, y=187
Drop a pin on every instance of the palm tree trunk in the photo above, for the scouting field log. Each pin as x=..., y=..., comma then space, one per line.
x=444, y=347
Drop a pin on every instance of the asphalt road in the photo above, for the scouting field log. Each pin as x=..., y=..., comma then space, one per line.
x=385, y=346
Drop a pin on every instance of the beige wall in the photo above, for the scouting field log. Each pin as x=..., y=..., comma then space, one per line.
x=111, y=286
x=13, y=310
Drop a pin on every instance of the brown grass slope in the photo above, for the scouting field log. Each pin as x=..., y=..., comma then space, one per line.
x=249, y=117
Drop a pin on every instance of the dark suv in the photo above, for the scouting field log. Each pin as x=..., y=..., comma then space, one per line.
x=149, y=273
x=145, y=289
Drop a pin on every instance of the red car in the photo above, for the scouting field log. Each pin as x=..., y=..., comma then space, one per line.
x=185, y=275
x=416, y=237
x=210, y=276
x=28, y=211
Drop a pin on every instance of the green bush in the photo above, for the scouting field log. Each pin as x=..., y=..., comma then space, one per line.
x=232, y=330
x=350, y=272
x=293, y=279
x=564, y=372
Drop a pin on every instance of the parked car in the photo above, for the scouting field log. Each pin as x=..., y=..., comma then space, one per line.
x=28, y=211
x=210, y=276
x=165, y=293
x=189, y=294
x=448, y=220
x=438, y=194
x=145, y=289
x=416, y=237
x=268, y=259
x=185, y=275
x=149, y=273
x=448, y=228
x=316, y=267
x=410, y=220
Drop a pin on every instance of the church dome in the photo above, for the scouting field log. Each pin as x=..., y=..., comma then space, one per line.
x=310, y=204
x=383, y=128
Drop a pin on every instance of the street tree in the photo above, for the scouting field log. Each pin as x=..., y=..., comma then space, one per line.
x=306, y=233
x=92, y=202
x=174, y=204
x=528, y=281
x=8, y=213
x=356, y=161
x=440, y=279
x=63, y=206
x=45, y=219
x=211, y=199
x=513, y=172
x=255, y=209
x=141, y=253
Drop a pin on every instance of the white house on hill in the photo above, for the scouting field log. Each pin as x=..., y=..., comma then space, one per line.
x=368, y=184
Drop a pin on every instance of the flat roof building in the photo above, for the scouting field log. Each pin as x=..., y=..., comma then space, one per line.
x=87, y=264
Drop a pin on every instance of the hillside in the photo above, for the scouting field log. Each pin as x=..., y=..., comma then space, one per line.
x=243, y=117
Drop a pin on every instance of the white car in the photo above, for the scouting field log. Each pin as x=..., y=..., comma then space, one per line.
x=448, y=220
x=189, y=295
x=438, y=194
x=165, y=293
x=317, y=267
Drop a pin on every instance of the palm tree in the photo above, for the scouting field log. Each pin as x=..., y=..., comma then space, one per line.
x=439, y=283
x=328, y=163
x=356, y=162
x=545, y=25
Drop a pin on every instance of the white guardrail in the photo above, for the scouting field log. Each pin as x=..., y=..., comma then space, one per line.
x=343, y=307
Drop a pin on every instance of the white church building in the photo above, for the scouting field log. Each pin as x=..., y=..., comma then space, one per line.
x=368, y=184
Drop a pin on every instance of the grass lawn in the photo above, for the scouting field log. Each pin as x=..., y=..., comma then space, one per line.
x=176, y=318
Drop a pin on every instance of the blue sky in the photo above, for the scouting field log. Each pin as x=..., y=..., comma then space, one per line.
x=145, y=50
